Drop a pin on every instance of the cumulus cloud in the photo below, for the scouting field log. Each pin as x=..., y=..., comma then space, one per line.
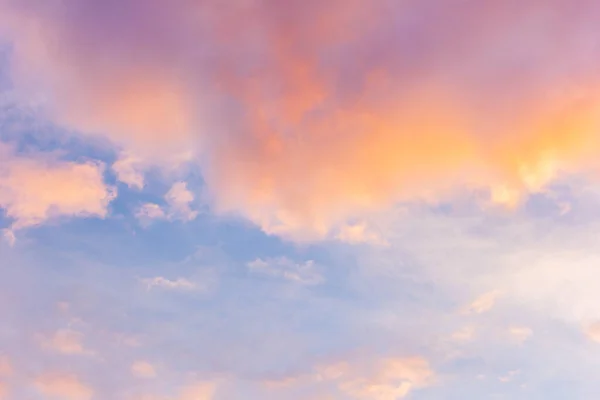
x=179, y=199
x=39, y=188
x=302, y=116
x=128, y=169
x=305, y=273
x=63, y=385
x=178, y=207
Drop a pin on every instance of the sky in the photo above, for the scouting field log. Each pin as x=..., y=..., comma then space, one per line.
x=299, y=200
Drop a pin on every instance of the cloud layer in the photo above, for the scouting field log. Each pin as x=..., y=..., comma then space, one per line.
x=308, y=115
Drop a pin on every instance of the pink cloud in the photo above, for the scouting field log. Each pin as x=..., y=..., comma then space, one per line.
x=306, y=116
x=65, y=341
x=67, y=386
x=36, y=189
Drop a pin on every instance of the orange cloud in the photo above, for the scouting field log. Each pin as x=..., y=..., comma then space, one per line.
x=65, y=386
x=33, y=190
x=381, y=379
x=308, y=117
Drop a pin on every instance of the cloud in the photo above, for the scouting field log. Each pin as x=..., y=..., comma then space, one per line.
x=177, y=284
x=4, y=391
x=63, y=385
x=9, y=236
x=143, y=369
x=306, y=124
x=36, y=189
x=150, y=211
x=305, y=273
x=359, y=233
x=388, y=379
x=6, y=368
x=464, y=334
x=128, y=169
x=484, y=303
x=178, y=200
x=520, y=333
x=65, y=341
x=199, y=391
x=592, y=331
x=374, y=379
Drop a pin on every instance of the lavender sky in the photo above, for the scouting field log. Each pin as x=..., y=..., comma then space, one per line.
x=299, y=199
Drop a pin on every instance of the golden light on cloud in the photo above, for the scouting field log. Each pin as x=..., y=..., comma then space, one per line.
x=321, y=122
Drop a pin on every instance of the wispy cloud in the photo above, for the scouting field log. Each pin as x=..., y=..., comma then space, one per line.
x=143, y=369
x=164, y=283
x=306, y=273
x=63, y=385
x=65, y=341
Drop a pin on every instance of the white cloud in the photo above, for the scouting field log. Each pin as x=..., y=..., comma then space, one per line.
x=305, y=273
x=177, y=284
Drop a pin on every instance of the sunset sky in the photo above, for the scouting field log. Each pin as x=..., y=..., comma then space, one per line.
x=299, y=199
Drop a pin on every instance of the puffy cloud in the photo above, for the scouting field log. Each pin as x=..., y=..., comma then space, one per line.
x=303, y=117
x=150, y=211
x=128, y=169
x=143, y=369
x=178, y=200
x=36, y=189
x=63, y=385
x=305, y=273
